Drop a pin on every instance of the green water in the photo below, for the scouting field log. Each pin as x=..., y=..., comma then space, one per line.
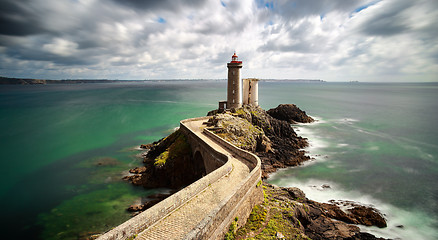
x=65, y=149
x=54, y=136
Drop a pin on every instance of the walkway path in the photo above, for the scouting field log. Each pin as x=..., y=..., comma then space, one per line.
x=181, y=221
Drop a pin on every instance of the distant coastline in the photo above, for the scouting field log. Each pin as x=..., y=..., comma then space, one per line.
x=33, y=81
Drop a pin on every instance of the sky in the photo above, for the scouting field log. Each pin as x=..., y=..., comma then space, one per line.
x=332, y=40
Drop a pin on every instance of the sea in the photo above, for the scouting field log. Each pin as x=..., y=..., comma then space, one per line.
x=66, y=147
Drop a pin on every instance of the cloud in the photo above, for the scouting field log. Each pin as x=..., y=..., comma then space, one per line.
x=17, y=20
x=61, y=47
x=167, y=5
x=132, y=39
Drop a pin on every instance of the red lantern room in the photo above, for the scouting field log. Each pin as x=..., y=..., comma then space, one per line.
x=235, y=59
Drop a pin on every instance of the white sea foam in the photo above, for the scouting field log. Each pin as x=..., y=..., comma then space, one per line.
x=315, y=141
x=318, y=120
x=340, y=145
x=347, y=120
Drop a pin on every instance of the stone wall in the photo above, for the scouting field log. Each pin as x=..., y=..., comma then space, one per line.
x=212, y=160
x=239, y=204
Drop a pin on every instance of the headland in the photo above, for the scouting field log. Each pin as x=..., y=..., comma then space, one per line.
x=281, y=212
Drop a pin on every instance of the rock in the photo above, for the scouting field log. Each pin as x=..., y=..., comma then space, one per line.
x=290, y=113
x=335, y=212
x=136, y=179
x=325, y=186
x=137, y=170
x=135, y=208
x=147, y=146
x=280, y=146
x=295, y=193
x=304, y=218
x=368, y=216
x=169, y=163
x=362, y=236
x=357, y=214
x=239, y=132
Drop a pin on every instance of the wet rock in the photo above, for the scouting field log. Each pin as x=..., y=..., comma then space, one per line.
x=368, y=216
x=135, y=208
x=137, y=170
x=136, y=179
x=290, y=113
x=146, y=146
x=362, y=236
x=356, y=214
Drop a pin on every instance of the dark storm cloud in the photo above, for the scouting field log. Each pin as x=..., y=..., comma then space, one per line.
x=35, y=53
x=16, y=20
x=172, y=5
x=392, y=21
x=34, y=31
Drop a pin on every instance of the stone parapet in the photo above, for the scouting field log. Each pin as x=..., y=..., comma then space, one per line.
x=243, y=196
x=239, y=204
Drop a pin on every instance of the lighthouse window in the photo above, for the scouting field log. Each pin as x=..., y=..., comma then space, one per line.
x=233, y=73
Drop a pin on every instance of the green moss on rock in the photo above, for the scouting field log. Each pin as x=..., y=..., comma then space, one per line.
x=231, y=234
x=179, y=147
x=271, y=219
x=161, y=159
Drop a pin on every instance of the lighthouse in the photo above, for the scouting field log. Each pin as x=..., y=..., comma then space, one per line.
x=234, y=86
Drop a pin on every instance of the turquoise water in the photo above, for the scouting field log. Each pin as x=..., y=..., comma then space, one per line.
x=65, y=149
x=55, y=136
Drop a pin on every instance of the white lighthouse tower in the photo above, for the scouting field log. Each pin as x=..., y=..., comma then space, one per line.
x=251, y=91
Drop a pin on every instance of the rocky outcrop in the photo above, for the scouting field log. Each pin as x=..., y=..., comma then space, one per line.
x=290, y=113
x=168, y=163
x=277, y=145
x=239, y=132
x=287, y=212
